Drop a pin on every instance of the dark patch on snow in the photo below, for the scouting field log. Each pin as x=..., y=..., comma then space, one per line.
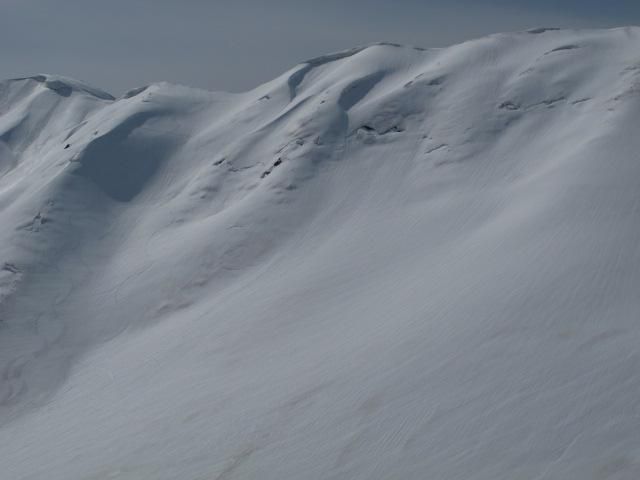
x=67, y=146
x=34, y=225
x=563, y=48
x=135, y=91
x=396, y=45
x=10, y=267
x=538, y=31
x=74, y=130
x=509, y=105
x=551, y=101
x=372, y=130
x=435, y=149
x=240, y=169
x=436, y=81
x=268, y=171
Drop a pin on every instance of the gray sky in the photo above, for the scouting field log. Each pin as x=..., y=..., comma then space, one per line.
x=234, y=45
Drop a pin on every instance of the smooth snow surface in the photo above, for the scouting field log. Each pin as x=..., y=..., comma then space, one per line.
x=388, y=263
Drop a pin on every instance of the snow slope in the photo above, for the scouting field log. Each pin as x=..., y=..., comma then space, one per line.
x=386, y=263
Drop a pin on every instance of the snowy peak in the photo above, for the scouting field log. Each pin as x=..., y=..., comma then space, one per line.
x=385, y=263
x=63, y=86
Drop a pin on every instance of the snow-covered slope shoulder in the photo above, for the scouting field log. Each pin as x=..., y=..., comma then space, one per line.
x=388, y=262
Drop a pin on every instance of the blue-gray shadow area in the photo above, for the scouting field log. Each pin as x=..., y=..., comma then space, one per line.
x=124, y=160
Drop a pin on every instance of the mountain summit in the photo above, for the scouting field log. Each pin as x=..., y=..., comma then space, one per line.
x=389, y=262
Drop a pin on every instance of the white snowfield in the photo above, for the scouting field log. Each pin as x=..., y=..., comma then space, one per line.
x=388, y=263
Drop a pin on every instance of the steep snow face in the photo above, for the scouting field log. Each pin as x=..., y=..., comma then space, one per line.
x=386, y=263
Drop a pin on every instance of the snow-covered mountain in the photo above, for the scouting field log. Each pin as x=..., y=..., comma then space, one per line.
x=388, y=263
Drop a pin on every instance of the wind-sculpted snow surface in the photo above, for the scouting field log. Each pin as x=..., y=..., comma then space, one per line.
x=387, y=263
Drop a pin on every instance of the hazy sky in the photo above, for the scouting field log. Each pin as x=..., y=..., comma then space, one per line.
x=237, y=44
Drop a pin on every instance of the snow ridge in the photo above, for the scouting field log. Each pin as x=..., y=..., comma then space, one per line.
x=388, y=262
x=65, y=86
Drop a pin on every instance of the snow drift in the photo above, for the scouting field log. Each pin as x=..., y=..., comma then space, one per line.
x=389, y=262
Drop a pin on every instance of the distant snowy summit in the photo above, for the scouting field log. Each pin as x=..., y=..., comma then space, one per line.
x=64, y=86
x=388, y=262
